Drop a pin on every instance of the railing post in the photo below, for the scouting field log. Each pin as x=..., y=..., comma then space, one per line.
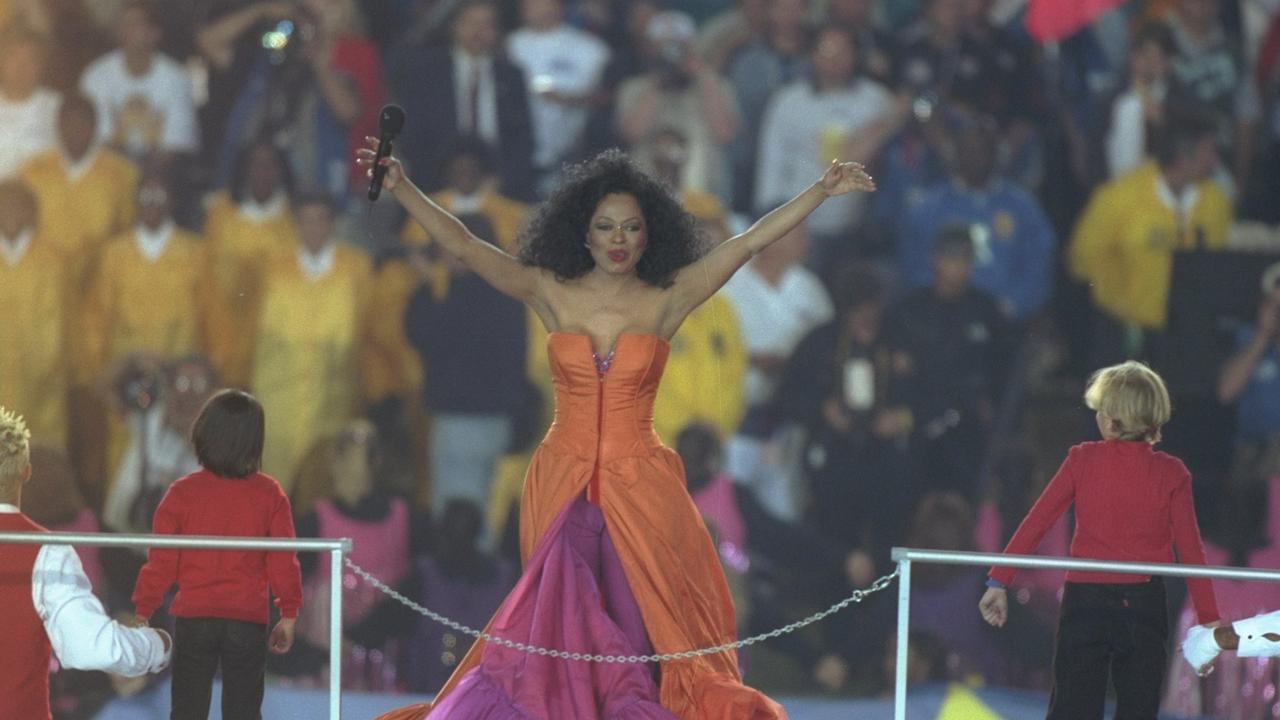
x=904, y=613
x=335, y=634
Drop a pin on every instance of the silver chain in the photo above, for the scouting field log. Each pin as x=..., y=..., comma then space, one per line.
x=856, y=596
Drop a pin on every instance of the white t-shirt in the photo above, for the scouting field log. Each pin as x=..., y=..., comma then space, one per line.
x=27, y=128
x=165, y=94
x=801, y=133
x=775, y=319
x=566, y=60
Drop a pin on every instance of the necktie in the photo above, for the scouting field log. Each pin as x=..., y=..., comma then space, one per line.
x=473, y=99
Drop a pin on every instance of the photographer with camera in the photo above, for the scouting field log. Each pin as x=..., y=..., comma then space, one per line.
x=684, y=93
x=301, y=74
x=160, y=401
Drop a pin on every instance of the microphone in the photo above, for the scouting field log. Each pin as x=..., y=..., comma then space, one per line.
x=390, y=122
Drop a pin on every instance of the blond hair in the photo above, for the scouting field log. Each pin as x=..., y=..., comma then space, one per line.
x=1133, y=398
x=15, y=451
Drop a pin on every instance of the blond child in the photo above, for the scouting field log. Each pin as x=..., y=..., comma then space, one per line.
x=1132, y=503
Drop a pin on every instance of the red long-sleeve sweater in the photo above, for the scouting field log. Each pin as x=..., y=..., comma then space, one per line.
x=230, y=584
x=1132, y=504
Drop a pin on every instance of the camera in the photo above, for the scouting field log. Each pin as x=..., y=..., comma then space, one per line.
x=283, y=39
x=139, y=387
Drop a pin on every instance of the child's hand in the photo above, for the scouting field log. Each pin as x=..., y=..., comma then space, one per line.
x=164, y=638
x=1200, y=648
x=282, y=636
x=994, y=606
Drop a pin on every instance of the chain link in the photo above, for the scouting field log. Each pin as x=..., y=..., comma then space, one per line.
x=856, y=596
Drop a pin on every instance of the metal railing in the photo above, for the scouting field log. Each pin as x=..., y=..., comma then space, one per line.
x=336, y=549
x=905, y=556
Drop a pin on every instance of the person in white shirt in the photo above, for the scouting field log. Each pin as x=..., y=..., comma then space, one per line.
x=836, y=113
x=778, y=302
x=28, y=110
x=563, y=67
x=144, y=98
x=1140, y=108
x=49, y=605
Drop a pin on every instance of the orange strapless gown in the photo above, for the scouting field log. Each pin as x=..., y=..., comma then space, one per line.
x=602, y=444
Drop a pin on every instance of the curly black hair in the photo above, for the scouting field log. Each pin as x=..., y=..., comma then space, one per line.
x=555, y=239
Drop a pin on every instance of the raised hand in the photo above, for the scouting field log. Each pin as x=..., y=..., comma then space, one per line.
x=845, y=177
x=365, y=157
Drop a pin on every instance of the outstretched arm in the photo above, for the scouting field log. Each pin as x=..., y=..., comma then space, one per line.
x=702, y=279
x=504, y=272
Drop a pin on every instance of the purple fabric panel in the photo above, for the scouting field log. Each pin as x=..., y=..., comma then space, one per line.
x=566, y=599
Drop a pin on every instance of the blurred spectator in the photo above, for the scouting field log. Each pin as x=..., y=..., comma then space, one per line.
x=1014, y=245
x=159, y=449
x=34, y=363
x=929, y=62
x=303, y=76
x=394, y=369
x=311, y=323
x=1124, y=242
x=150, y=293
x=951, y=345
x=85, y=191
x=54, y=501
x=835, y=114
x=476, y=377
x=1209, y=71
x=716, y=497
x=563, y=67
x=1251, y=380
x=245, y=226
x=1138, y=112
x=383, y=526
x=876, y=48
x=86, y=194
x=777, y=57
x=840, y=383
x=632, y=52
x=945, y=521
x=682, y=92
x=28, y=109
x=708, y=351
x=915, y=159
x=777, y=301
x=460, y=580
x=722, y=36
x=32, y=14
x=467, y=88
x=144, y=98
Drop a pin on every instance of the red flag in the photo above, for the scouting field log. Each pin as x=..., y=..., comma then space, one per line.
x=1050, y=20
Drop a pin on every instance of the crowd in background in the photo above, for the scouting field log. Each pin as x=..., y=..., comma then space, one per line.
x=179, y=212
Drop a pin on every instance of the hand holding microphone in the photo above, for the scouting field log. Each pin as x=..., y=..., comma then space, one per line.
x=383, y=169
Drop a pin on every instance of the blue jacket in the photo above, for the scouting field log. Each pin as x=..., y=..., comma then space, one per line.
x=1014, y=243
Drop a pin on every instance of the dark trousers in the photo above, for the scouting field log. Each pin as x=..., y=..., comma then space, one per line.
x=200, y=646
x=1118, y=630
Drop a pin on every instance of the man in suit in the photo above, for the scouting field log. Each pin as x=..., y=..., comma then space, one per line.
x=467, y=87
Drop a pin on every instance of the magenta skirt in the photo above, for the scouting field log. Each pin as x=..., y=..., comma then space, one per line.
x=572, y=596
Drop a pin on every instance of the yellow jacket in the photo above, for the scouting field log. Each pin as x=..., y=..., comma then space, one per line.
x=306, y=353
x=507, y=217
x=166, y=306
x=1124, y=243
x=240, y=248
x=705, y=373
x=33, y=334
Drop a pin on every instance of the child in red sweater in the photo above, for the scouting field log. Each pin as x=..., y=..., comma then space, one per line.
x=1132, y=503
x=221, y=607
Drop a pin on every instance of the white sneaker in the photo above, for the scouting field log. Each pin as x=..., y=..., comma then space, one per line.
x=1200, y=648
x=1253, y=632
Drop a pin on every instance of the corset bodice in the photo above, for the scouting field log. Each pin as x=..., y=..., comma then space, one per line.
x=605, y=416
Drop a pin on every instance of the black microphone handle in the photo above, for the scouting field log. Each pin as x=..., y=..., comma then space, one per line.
x=379, y=170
